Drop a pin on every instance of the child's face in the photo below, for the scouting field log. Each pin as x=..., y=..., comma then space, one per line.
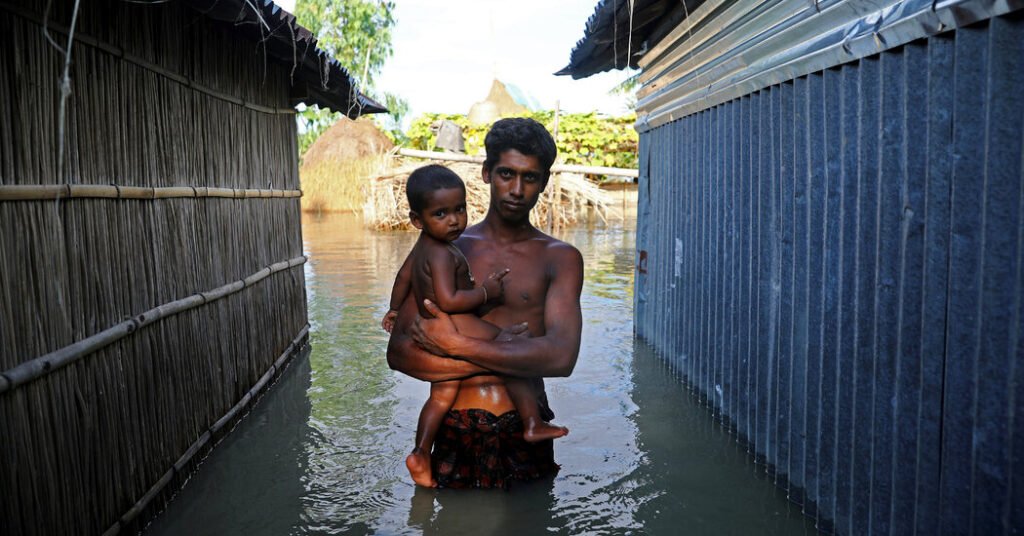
x=444, y=215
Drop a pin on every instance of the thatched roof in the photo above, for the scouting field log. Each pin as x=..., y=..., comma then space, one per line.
x=317, y=78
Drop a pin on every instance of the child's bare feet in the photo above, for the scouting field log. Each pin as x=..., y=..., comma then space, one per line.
x=418, y=464
x=534, y=431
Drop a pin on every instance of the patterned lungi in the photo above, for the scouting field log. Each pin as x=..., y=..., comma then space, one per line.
x=476, y=449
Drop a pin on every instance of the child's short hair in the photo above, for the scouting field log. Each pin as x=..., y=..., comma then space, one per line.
x=427, y=179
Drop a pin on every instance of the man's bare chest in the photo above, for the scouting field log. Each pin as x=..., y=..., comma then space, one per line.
x=527, y=282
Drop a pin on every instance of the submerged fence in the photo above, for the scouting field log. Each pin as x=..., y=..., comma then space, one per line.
x=151, y=260
x=835, y=262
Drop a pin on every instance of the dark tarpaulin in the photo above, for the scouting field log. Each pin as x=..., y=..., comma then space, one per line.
x=317, y=78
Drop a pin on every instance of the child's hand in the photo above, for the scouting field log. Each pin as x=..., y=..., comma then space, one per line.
x=494, y=285
x=388, y=322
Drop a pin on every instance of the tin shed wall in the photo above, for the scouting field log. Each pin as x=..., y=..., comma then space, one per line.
x=835, y=263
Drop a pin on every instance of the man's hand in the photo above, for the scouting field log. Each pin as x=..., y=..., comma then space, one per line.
x=436, y=335
x=513, y=332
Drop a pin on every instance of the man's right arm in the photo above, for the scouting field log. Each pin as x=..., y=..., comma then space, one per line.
x=408, y=358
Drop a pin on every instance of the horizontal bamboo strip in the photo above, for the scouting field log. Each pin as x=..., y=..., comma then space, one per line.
x=557, y=168
x=213, y=432
x=119, y=52
x=37, y=192
x=40, y=366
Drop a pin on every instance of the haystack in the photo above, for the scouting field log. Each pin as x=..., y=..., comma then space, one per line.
x=499, y=103
x=338, y=161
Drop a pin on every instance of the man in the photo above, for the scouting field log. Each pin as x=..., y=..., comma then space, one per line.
x=480, y=443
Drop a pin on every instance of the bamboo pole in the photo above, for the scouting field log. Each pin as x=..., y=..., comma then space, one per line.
x=213, y=432
x=554, y=199
x=43, y=365
x=41, y=192
x=557, y=168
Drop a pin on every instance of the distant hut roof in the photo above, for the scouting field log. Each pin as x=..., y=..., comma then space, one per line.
x=614, y=39
x=317, y=78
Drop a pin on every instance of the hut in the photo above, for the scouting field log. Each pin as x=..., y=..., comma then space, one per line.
x=151, y=266
x=829, y=242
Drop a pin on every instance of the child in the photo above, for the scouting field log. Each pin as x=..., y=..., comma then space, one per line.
x=436, y=270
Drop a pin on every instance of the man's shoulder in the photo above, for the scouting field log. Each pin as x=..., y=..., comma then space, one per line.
x=558, y=255
x=560, y=250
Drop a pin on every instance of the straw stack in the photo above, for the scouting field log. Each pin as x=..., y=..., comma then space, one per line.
x=193, y=321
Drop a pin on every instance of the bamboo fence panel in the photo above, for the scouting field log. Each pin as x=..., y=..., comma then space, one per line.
x=101, y=443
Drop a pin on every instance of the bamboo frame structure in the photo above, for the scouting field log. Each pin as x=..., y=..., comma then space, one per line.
x=37, y=192
x=31, y=370
x=215, y=431
x=162, y=109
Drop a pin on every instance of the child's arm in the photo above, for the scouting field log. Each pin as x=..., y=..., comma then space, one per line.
x=451, y=300
x=403, y=283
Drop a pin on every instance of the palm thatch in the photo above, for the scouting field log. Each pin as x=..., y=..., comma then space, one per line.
x=151, y=282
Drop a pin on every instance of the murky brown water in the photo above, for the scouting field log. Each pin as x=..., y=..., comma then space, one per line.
x=323, y=452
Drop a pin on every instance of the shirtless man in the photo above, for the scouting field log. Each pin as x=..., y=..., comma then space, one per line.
x=542, y=293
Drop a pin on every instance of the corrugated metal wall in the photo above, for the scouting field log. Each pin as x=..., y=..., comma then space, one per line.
x=836, y=264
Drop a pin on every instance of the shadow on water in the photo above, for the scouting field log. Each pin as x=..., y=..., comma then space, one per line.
x=323, y=451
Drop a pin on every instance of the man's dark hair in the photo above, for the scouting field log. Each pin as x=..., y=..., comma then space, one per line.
x=524, y=135
x=428, y=179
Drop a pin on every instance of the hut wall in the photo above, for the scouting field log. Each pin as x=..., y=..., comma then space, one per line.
x=834, y=262
x=160, y=97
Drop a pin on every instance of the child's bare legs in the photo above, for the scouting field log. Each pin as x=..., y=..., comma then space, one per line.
x=523, y=395
x=520, y=390
x=442, y=396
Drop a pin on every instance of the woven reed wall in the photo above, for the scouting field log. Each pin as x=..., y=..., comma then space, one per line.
x=157, y=101
x=835, y=263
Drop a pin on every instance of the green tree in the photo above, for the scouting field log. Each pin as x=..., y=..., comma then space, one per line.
x=358, y=33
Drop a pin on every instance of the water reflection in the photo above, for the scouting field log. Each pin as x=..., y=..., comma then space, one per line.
x=323, y=452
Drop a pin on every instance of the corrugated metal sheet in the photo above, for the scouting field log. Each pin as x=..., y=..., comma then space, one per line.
x=733, y=48
x=836, y=262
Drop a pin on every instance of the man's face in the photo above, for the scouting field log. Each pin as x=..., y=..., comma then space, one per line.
x=517, y=181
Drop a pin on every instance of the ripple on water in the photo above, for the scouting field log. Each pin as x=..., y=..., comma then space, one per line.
x=326, y=454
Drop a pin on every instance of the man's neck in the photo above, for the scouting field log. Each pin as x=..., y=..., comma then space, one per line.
x=499, y=229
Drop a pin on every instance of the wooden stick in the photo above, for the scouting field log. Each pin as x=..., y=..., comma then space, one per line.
x=434, y=155
x=557, y=168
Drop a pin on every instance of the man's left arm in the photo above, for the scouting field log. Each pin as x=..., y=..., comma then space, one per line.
x=552, y=354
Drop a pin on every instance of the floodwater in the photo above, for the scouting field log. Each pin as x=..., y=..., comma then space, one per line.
x=323, y=452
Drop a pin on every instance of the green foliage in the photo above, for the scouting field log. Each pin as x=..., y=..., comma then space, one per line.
x=585, y=139
x=358, y=34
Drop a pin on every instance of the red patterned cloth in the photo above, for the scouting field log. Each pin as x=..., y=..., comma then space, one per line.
x=476, y=449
